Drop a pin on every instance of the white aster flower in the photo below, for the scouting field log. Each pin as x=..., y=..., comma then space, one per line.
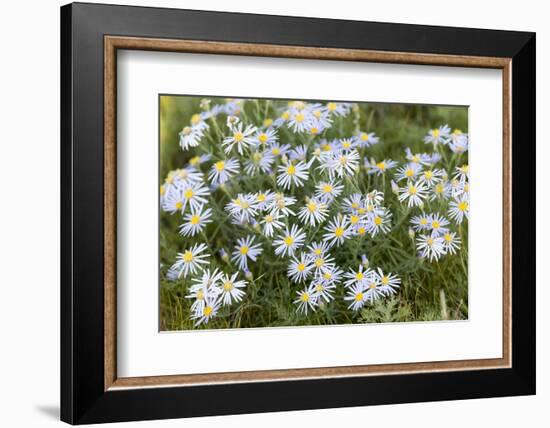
x=195, y=221
x=357, y=296
x=307, y=299
x=438, y=135
x=409, y=171
x=267, y=137
x=337, y=231
x=210, y=310
x=223, y=170
x=342, y=163
x=366, y=139
x=231, y=289
x=271, y=223
x=313, y=212
x=413, y=193
x=381, y=167
x=204, y=288
x=327, y=191
x=459, y=208
x=421, y=222
x=430, y=247
x=289, y=241
x=190, y=260
x=244, y=250
x=360, y=276
x=292, y=174
x=323, y=290
x=260, y=161
x=451, y=242
x=280, y=205
x=300, y=268
x=438, y=224
x=190, y=136
x=388, y=283
x=243, y=207
x=240, y=138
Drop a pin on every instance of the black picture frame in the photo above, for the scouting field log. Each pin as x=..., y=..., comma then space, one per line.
x=83, y=398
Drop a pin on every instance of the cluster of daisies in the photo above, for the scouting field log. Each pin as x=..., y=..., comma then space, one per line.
x=305, y=205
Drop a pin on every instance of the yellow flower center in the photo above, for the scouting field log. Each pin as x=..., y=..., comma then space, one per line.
x=289, y=240
x=448, y=237
x=359, y=297
x=339, y=232
x=220, y=165
x=343, y=160
x=261, y=197
x=326, y=147
x=196, y=118
x=439, y=188
x=428, y=174
x=327, y=188
x=195, y=160
x=188, y=256
x=291, y=170
x=299, y=117
x=435, y=132
x=372, y=285
x=416, y=158
x=354, y=219
x=463, y=206
x=305, y=297
x=312, y=206
x=186, y=131
x=385, y=280
x=327, y=275
x=276, y=151
x=195, y=219
x=361, y=210
x=381, y=165
x=378, y=220
x=364, y=136
x=346, y=144
x=207, y=311
x=268, y=218
x=179, y=205
x=301, y=267
x=435, y=224
x=423, y=221
x=361, y=230
x=244, y=250
x=285, y=115
x=413, y=190
x=331, y=106
x=188, y=194
x=430, y=241
x=238, y=136
x=200, y=295
x=228, y=286
x=319, y=288
x=262, y=138
x=359, y=276
x=314, y=130
x=464, y=169
x=317, y=252
x=317, y=113
x=268, y=122
x=319, y=262
x=409, y=172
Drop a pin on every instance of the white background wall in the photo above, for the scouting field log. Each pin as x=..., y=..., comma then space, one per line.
x=29, y=213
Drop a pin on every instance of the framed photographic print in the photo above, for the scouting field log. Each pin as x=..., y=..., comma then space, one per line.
x=265, y=213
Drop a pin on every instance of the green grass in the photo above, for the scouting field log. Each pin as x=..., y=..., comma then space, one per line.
x=429, y=291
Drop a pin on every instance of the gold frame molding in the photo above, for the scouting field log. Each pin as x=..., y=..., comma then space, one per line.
x=113, y=43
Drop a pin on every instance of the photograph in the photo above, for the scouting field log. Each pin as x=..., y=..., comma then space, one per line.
x=279, y=213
